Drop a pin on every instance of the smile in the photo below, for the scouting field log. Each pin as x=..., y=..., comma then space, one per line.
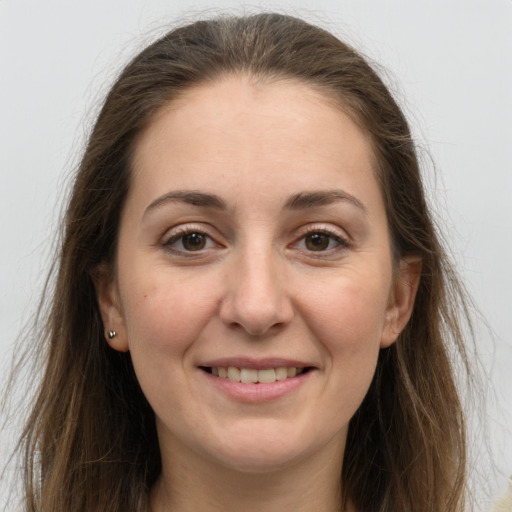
x=253, y=375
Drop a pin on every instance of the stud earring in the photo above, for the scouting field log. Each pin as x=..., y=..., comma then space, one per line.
x=112, y=335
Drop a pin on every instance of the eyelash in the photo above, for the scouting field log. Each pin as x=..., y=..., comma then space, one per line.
x=181, y=233
x=342, y=243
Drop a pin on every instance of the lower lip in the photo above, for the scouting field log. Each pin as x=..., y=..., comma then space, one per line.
x=259, y=392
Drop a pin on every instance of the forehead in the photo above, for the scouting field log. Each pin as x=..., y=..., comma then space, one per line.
x=236, y=131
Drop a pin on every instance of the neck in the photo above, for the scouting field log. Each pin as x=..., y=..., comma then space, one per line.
x=187, y=484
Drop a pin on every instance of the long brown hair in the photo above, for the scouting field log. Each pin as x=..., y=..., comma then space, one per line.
x=91, y=426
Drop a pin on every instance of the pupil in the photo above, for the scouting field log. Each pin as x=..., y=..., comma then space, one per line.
x=317, y=241
x=194, y=241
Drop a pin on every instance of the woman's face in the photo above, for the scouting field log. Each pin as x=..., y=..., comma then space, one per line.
x=254, y=244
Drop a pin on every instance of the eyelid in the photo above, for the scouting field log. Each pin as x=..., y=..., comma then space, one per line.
x=338, y=235
x=183, y=229
x=174, y=234
x=325, y=228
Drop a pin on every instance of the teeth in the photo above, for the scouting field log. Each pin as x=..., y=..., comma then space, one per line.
x=281, y=373
x=267, y=375
x=252, y=376
x=291, y=372
x=248, y=375
x=234, y=374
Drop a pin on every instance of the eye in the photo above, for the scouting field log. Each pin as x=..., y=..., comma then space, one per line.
x=318, y=241
x=321, y=240
x=189, y=241
x=193, y=241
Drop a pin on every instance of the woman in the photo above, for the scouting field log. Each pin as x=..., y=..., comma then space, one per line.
x=252, y=308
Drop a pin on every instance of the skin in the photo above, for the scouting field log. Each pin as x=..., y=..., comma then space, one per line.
x=258, y=288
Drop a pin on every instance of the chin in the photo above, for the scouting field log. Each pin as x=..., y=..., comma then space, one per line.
x=258, y=461
x=265, y=452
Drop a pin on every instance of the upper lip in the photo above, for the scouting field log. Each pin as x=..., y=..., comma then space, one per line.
x=252, y=363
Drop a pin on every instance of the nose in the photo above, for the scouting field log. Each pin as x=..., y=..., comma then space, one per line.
x=256, y=299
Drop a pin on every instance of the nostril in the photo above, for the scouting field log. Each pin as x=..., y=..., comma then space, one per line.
x=256, y=308
x=257, y=329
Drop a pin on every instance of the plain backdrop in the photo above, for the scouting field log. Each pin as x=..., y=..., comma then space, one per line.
x=448, y=61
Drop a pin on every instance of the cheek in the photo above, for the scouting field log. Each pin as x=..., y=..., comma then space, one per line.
x=347, y=322
x=347, y=319
x=348, y=315
x=166, y=313
x=164, y=318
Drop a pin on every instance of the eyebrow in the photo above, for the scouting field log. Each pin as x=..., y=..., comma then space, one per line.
x=305, y=200
x=192, y=197
x=299, y=201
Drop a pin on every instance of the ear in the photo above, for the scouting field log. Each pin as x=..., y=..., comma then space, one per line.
x=107, y=294
x=401, y=299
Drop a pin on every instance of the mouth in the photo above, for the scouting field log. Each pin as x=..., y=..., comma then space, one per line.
x=254, y=375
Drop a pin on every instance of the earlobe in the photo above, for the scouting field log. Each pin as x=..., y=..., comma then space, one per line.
x=107, y=296
x=401, y=300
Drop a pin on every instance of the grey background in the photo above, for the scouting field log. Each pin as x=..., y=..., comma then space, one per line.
x=449, y=62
